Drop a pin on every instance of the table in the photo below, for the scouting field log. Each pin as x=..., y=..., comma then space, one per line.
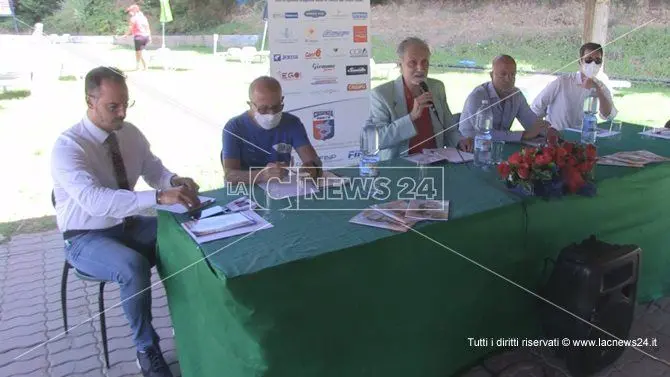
x=318, y=296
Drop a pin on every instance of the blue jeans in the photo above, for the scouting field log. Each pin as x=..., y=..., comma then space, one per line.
x=124, y=256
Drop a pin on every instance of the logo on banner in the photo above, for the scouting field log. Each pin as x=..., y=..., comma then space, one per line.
x=313, y=54
x=290, y=76
x=357, y=87
x=287, y=36
x=323, y=91
x=323, y=67
x=323, y=125
x=354, y=154
x=315, y=13
x=288, y=15
x=310, y=35
x=336, y=34
x=283, y=57
x=358, y=53
x=336, y=52
x=357, y=70
x=359, y=15
x=329, y=157
x=339, y=14
x=360, y=34
x=324, y=80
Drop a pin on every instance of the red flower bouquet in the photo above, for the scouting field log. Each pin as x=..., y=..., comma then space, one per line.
x=551, y=170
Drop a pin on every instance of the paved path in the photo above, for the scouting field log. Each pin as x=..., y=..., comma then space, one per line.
x=30, y=272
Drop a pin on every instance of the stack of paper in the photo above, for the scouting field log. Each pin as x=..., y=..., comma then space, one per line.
x=387, y=216
x=601, y=132
x=241, y=204
x=635, y=159
x=437, y=210
x=218, y=224
x=662, y=133
x=400, y=215
x=430, y=156
x=223, y=226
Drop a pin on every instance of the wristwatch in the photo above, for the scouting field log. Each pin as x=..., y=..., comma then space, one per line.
x=172, y=179
x=158, y=196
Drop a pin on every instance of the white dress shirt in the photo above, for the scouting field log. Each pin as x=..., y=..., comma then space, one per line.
x=87, y=194
x=562, y=102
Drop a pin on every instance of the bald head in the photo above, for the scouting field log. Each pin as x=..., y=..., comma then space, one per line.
x=503, y=75
x=265, y=95
x=501, y=60
x=264, y=84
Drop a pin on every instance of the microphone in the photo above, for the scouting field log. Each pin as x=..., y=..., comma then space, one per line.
x=424, y=87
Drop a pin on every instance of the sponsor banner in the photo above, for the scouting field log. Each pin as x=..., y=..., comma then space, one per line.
x=5, y=8
x=359, y=52
x=360, y=34
x=314, y=13
x=353, y=70
x=320, y=54
x=284, y=57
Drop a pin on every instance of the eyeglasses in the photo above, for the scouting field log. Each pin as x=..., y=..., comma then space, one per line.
x=114, y=107
x=590, y=60
x=268, y=109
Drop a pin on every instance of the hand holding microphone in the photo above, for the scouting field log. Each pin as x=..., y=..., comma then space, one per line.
x=421, y=102
x=424, y=87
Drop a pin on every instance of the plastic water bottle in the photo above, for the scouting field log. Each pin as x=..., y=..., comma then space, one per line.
x=483, y=137
x=369, y=150
x=590, y=122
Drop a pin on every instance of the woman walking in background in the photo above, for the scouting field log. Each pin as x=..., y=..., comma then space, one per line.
x=139, y=29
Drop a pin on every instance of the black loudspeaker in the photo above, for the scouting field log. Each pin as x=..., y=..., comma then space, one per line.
x=597, y=282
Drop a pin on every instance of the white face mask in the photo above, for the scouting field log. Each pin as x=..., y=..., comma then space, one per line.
x=591, y=69
x=267, y=121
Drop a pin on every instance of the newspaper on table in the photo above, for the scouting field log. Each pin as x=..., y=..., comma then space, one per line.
x=433, y=155
x=635, y=159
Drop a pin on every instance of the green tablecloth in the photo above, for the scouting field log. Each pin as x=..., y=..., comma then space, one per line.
x=318, y=296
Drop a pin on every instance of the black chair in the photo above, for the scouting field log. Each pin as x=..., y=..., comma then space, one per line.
x=101, y=302
x=455, y=118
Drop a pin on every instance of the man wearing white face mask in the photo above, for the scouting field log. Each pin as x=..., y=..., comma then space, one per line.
x=257, y=144
x=562, y=101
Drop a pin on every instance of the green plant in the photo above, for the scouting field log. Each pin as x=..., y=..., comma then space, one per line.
x=87, y=16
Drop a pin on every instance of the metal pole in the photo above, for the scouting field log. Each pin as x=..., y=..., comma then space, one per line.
x=163, y=39
x=11, y=8
x=265, y=32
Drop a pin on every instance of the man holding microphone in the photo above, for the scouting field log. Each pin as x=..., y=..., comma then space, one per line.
x=411, y=112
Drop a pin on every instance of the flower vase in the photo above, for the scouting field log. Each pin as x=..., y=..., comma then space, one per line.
x=521, y=190
x=549, y=189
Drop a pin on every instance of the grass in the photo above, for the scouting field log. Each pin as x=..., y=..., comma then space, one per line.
x=236, y=27
x=68, y=78
x=14, y=94
x=642, y=54
x=32, y=225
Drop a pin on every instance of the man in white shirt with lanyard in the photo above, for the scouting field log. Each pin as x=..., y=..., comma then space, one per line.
x=562, y=101
x=95, y=165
